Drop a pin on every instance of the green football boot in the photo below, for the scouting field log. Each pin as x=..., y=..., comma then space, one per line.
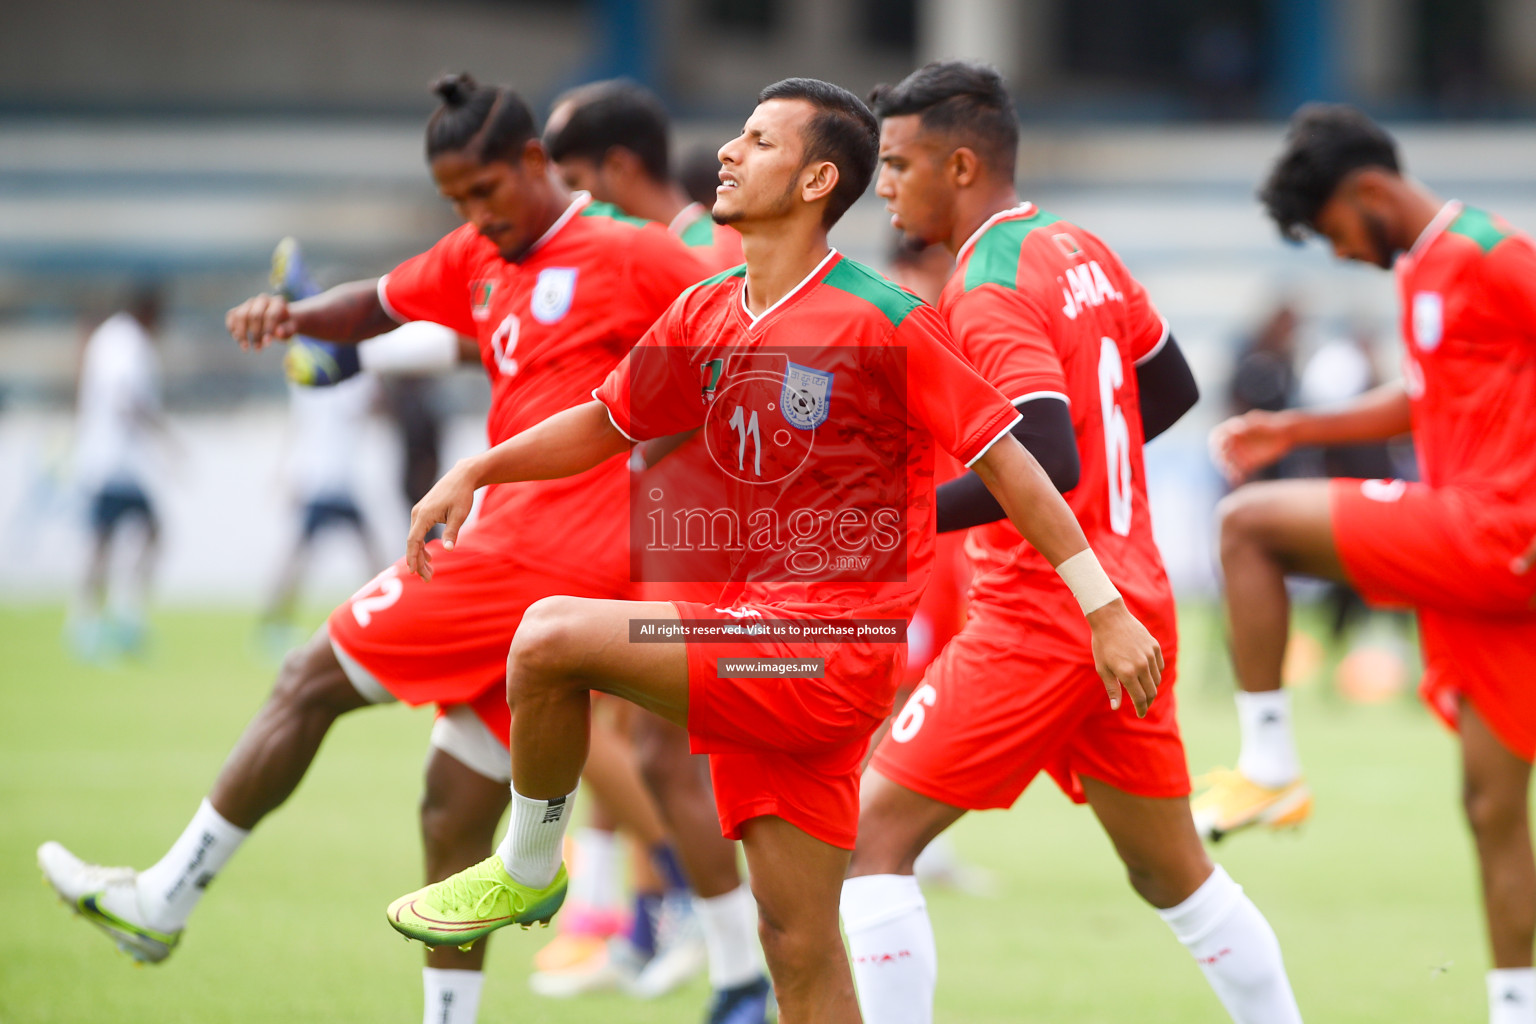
x=464, y=908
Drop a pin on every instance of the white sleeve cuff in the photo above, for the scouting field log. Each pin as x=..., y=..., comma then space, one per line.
x=384, y=301
x=998, y=437
x=615, y=422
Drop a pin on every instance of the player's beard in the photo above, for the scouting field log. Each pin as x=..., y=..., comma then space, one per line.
x=779, y=209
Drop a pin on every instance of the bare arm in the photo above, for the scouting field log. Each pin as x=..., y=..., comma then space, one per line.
x=1246, y=443
x=347, y=314
x=565, y=444
x=1124, y=652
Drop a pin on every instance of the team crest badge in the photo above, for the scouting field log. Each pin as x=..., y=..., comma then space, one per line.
x=1428, y=319
x=805, y=396
x=552, y=294
x=709, y=377
x=480, y=299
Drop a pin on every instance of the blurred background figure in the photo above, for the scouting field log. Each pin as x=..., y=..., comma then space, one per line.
x=326, y=425
x=118, y=421
x=1265, y=374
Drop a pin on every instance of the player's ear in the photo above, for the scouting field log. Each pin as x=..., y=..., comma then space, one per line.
x=535, y=158
x=963, y=167
x=620, y=164
x=821, y=179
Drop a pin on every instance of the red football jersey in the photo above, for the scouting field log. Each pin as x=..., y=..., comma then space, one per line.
x=1468, y=290
x=1043, y=308
x=551, y=326
x=717, y=245
x=821, y=417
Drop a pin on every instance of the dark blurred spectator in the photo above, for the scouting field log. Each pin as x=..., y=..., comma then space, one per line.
x=1265, y=376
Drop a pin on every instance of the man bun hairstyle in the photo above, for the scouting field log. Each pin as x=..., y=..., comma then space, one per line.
x=842, y=131
x=1324, y=143
x=487, y=122
x=965, y=101
x=612, y=113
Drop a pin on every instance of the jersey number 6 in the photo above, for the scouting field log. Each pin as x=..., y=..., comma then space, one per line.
x=1117, y=438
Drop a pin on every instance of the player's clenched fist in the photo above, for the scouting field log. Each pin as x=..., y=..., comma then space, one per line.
x=259, y=321
x=448, y=502
x=1244, y=444
x=1126, y=656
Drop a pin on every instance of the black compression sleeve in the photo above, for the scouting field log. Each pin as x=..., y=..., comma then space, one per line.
x=1168, y=389
x=1045, y=429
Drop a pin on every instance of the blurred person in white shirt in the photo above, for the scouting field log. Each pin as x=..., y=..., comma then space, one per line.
x=118, y=413
x=327, y=427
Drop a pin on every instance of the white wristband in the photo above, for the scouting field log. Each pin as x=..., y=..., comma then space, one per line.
x=1087, y=580
x=417, y=347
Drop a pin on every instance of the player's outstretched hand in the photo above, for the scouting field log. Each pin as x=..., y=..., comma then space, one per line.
x=259, y=321
x=1126, y=655
x=448, y=502
x=1244, y=444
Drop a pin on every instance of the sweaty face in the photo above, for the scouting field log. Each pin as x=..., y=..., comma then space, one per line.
x=760, y=169
x=494, y=196
x=912, y=182
x=1354, y=231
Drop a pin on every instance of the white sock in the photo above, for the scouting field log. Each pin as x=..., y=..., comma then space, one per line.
x=171, y=888
x=730, y=937
x=595, y=870
x=450, y=997
x=1512, y=995
x=531, y=848
x=1269, y=750
x=1237, y=950
x=890, y=940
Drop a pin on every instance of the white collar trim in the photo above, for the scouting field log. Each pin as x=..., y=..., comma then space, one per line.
x=685, y=218
x=579, y=200
x=1012, y=211
x=1449, y=212
x=787, y=295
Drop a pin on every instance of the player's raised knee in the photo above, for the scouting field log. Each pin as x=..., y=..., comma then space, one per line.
x=547, y=638
x=1241, y=516
x=309, y=675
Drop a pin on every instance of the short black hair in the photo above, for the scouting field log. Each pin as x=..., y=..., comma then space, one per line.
x=842, y=131
x=962, y=99
x=1324, y=143
x=487, y=122
x=616, y=112
x=699, y=174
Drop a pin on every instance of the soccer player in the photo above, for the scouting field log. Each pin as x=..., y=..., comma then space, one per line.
x=119, y=408
x=1444, y=547
x=1047, y=313
x=556, y=292
x=823, y=388
x=611, y=139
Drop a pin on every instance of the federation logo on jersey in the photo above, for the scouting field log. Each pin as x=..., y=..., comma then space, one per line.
x=709, y=377
x=804, y=397
x=1428, y=319
x=552, y=294
x=480, y=299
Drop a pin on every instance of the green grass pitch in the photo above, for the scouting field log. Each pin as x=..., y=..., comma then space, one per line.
x=1374, y=902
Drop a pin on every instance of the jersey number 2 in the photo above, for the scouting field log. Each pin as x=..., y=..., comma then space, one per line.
x=1117, y=438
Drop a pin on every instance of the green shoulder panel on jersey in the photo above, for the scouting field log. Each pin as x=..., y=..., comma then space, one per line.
x=1479, y=226
x=700, y=234
x=995, y=259
x=720, y=278
x=858, y=280
x=611, y=212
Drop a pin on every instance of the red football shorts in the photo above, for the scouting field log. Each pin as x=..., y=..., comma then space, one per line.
x=1446, y=553
x=992, y=712
x=446, y=641
x=791, y=748
x=1411, y=545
